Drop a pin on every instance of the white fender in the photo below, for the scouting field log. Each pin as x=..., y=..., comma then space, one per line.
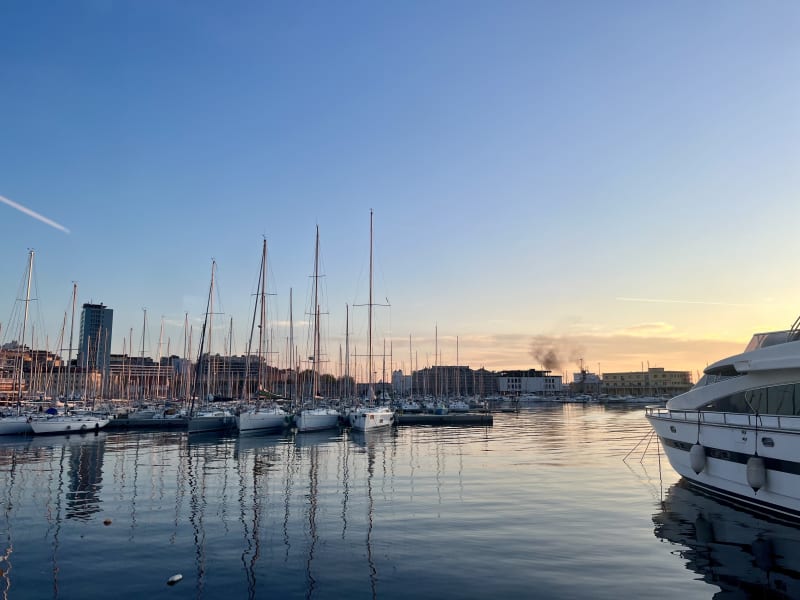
x=697, y=458
x=756, y=473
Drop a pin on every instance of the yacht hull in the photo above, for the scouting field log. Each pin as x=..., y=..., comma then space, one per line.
x=727, y=448
x=371, y=419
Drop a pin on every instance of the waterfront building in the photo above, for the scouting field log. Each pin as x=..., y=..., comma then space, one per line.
x=539, y=383
x=454, y=381
x=94, y=342
x=655, y=381
x=586, y=382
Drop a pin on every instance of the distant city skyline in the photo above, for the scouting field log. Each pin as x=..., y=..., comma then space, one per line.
x=612, y=183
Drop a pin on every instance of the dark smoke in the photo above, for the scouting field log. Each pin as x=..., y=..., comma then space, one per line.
x=555, y=353
x=548, y=358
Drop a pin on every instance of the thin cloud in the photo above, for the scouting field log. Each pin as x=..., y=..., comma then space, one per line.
x=33, y=214
x=666, y=301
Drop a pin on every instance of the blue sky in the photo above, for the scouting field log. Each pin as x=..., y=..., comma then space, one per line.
x=537, y=171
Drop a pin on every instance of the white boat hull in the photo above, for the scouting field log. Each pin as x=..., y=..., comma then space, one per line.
x=68, y=424
x=316, y=419
x=727, y=447
x=262, y=420
x=369, y=419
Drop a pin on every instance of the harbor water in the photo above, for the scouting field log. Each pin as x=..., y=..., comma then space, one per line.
x=555, y=501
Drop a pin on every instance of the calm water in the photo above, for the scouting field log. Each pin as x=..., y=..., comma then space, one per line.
x=541, y=505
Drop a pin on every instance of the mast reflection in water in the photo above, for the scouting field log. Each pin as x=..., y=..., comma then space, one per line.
x=540, y=505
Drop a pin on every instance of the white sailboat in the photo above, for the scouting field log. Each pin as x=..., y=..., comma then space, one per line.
x=316, y=417
x=19, y=424
x=208, y=418
x=259, y=417
x=368, y=418
x=68, y=422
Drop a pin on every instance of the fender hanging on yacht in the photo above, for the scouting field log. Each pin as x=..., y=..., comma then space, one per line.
x=697, y=458
x=756, y=473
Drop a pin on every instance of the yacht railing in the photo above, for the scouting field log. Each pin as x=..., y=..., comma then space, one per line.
x=782, y=422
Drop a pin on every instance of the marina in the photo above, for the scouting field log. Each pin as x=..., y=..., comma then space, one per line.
x=553, y=501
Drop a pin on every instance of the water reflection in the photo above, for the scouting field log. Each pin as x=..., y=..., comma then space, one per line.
x=742, y=553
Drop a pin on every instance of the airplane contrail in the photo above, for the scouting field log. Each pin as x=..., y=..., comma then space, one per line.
x=33, y=214
x=665, y=301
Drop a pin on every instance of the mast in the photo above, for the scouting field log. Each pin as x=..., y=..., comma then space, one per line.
x=210, y=317
x=291, y=348
x=262, y=316
x=411, y=370
x=371, y=392
x=347, y=350
x=71, y=330
x=24, y=326
x=206, y=321
x=315, y=359
x=158, y=366
x=143, y=377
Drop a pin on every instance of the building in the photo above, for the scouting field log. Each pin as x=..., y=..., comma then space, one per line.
x=453, y=381
x=539, y=383
x=653, y=382
x=94, y=343
x=585, y=382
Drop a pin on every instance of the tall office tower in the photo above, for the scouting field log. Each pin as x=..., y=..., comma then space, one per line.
x=94, y=349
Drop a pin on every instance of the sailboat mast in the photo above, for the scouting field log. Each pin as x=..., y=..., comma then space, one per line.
x=347, y=350
x=71, y=330
x=369, y=309
x=144, y=332
x=210, y=320
x=24, y=326
x=410, y=369
x=291, y=345
x=262, y=315
x=315, y=373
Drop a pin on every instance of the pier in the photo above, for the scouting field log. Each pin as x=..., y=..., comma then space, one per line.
x=447, y=419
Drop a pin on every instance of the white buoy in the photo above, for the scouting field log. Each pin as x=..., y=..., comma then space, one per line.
x=174, y=579
x=756, y=473
x=697, y=458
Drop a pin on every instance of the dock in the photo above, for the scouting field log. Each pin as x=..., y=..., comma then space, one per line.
x=123, y=423
x=447, y=419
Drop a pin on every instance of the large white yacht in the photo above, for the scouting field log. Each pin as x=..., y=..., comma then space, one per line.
x=736, y=433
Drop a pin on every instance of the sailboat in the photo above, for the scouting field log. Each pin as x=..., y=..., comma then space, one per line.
x=316, y=417
x=19, y=424
x=68, y=422
x=371, y=417
x=203, y=419
x=259, y=417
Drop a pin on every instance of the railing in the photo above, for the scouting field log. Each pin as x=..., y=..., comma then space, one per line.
x=779, y=422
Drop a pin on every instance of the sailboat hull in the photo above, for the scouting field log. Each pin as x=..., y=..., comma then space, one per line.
x=212, y=421
x=262, y=420
x=15, y=425
x=316, y=419
x=68, y=424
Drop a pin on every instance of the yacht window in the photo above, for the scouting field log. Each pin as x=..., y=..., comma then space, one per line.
x=780, y=400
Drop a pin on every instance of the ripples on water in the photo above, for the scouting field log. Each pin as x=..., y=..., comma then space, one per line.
x=541, y=505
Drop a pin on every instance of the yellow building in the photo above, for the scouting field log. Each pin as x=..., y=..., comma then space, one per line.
x=653, y=382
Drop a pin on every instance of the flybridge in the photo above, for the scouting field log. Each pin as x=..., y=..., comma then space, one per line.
x=772, y=338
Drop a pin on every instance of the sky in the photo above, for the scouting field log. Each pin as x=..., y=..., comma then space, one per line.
x=610, y=183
